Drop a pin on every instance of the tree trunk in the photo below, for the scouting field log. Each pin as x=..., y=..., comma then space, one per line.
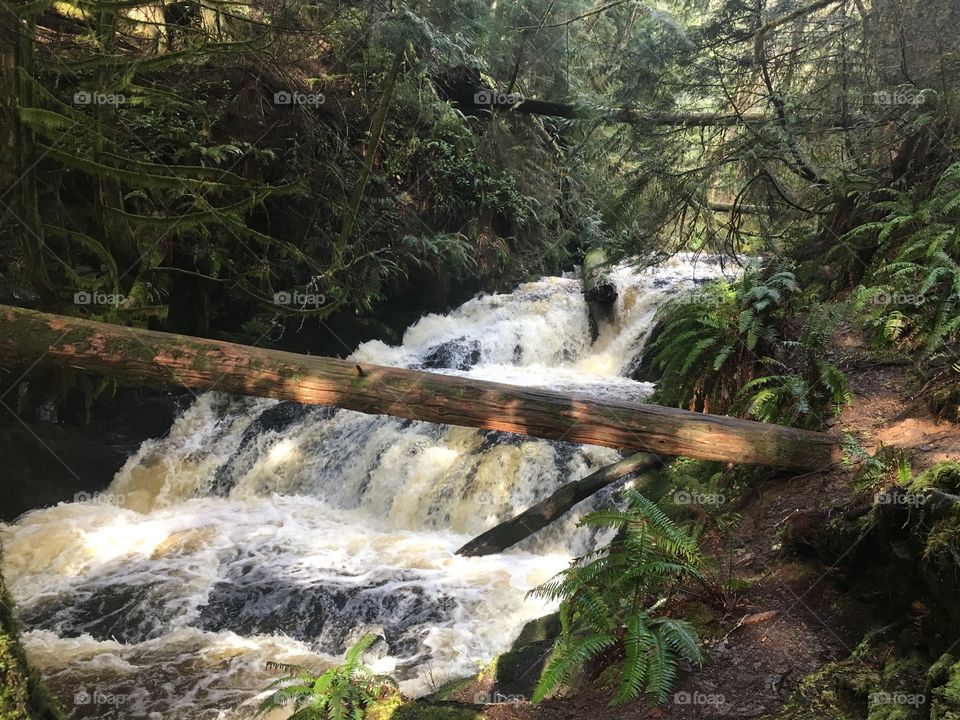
x=370, y=154
x=509, y=533
x=28, y=337
x=31, y=234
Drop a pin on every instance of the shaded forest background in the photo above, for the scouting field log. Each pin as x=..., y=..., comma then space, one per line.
x=183, y=164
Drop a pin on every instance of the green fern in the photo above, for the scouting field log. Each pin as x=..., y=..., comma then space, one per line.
x=807, y=386
x=606, y=599
x=911, y=298
x=339, y=693
x=731, y=346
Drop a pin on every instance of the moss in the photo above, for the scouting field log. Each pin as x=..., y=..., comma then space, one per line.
x=384, y=708
x=489, y=670
x=395, y=709
x=539, y=630
x=703, y=618
x=14, y=695
x=944, y=537
x=843, y=690
x=943, y=475
x=449, y=690
x=22, y=695
x=824, y=695
x=131, y=350
x=876, y=683
x=892, y=712
x=943, y=688
x=593, y=260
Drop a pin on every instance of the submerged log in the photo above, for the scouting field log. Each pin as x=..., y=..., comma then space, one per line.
x=29, y=338
x=536, y=517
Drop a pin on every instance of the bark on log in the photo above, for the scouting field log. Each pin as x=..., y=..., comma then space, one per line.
x=28, y=337
x=536, y=517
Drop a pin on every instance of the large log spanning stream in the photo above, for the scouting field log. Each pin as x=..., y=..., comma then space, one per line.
x=30, y=337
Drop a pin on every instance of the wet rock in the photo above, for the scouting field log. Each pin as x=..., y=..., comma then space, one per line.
x=519, y=669
x=378, y=649
x=599, y=290
x=459, y=354
x=538, y=630
x=277, y=418
x=76, y=445
x=125, y=613
x=259, y=603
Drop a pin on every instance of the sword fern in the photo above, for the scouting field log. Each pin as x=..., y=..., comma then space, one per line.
x=608, y=599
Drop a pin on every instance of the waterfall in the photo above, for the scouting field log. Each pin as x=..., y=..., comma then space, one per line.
x=260, y=530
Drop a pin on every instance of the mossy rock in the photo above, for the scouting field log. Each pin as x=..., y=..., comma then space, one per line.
x=943, y=688
x=943, y=475
x=539, y=630
x=453, y=689
x=873, y=683
x=22, y=695
x=395, y=708
x=704, y=620
x=519, y=670
x=830, y=693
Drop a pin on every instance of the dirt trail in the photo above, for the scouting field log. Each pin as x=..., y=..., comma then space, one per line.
x=790, y=617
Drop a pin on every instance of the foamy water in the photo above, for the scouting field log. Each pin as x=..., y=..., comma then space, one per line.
x=259, y=530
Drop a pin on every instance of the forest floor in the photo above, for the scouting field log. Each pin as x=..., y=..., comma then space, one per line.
x=792, y=616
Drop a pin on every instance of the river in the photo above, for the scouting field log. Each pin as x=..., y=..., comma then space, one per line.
x=258, y=530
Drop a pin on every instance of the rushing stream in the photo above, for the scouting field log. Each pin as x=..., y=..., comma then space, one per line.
x=259, y=530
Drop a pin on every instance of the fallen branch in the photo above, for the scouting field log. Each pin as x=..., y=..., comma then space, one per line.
x=509, y=533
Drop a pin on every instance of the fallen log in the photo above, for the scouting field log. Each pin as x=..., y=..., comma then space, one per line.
x=536, y=517
x=29, y=337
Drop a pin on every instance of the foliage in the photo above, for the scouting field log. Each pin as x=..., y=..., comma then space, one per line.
x=730, y=346
x=197, y=197
x=912, y=295
x=608, y=600
x=340, y=692
x=807, y=386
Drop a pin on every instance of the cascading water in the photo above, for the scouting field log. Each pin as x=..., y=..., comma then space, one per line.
x=261, y=530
